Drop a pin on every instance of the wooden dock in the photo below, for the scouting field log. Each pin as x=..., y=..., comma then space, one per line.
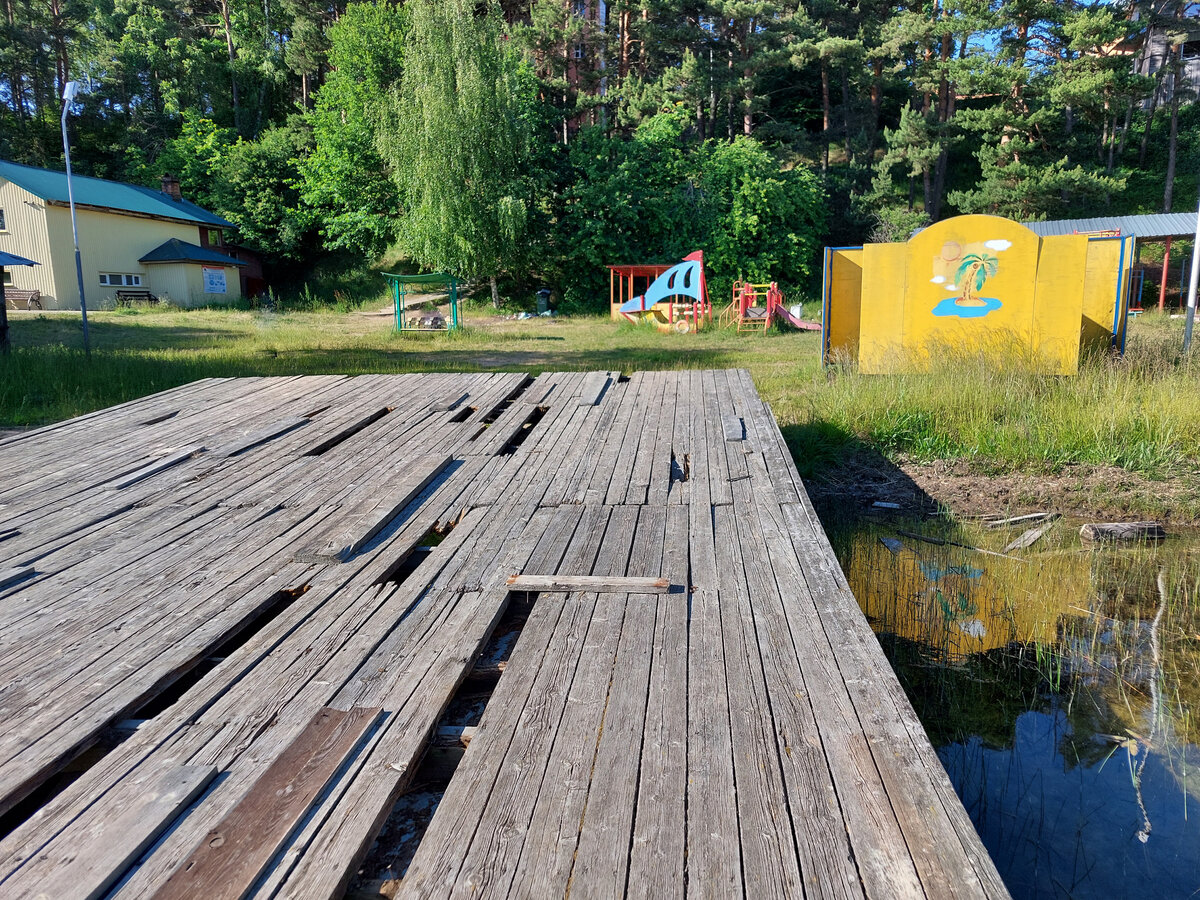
x=234, y=613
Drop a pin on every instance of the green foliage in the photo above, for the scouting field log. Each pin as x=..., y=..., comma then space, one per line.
x=656, y=198
x=456, y=139
x=347, y=189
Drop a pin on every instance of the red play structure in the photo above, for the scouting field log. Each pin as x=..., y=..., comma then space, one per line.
x=745, y=311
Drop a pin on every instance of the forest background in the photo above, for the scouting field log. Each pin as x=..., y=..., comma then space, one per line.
x=541, y=140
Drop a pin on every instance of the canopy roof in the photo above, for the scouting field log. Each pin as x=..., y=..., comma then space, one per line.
x=1147, y=227
x=11, y=259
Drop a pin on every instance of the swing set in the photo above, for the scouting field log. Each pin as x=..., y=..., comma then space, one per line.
x=399, y=286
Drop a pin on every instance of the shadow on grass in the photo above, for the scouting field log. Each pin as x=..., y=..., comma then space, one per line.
x=50, y=382
x=845, y=475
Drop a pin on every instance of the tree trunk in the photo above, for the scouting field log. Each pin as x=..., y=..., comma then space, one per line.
x=495, y=292
x=825, y=114
x=846, y=114
x=747, y=80
x=1158, y=76
x=232, y=52
x=1173, y=140
x=876, y=102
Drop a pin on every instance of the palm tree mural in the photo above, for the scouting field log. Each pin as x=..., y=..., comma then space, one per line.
x=973, y=271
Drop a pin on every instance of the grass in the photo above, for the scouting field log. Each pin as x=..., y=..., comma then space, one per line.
x=1140, y=412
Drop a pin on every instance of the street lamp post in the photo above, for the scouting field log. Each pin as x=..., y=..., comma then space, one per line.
x=69, y=93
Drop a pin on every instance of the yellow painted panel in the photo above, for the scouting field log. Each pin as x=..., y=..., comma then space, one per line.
x=844, y=281
x=108, y=243
x=881, y=329
x=1058, y=303
x=26, y=235
x=970, y=289
x=1100, y=290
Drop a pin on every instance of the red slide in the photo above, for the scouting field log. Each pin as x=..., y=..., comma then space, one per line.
x=799, y=324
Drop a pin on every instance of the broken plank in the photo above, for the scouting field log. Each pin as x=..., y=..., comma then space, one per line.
x=12, y=576
x=231, y=857
x=734, y=428
x=597, y=583
x=942, y=542
x=360, y=528
x=261, y=437
x=1028, y=538
x=160, y=465
x=1017, y=520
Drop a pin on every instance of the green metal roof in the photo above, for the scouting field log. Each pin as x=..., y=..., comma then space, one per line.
x=176, y=250
x=52, y=187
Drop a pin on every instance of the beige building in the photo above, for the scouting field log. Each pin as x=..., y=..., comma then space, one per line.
x=134, y=241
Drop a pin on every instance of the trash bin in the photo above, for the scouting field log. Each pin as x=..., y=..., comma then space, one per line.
x=543, y=300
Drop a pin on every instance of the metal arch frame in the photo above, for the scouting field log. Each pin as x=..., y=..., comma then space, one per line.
x=398, y=285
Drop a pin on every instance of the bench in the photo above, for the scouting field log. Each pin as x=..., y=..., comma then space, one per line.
x=128, y=298
x=15, y=298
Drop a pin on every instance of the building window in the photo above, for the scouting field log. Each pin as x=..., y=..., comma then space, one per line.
x=214, y=237
x=113, y=279
x=581, y=8
x=7, y=277
x=3, y=227
x=579, y=51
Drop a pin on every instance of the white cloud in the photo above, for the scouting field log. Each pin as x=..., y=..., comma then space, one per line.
x=997, y=245
x=938, y=279
x=952, y=287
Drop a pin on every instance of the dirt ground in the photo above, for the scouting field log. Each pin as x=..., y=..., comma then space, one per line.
x=1091, y=492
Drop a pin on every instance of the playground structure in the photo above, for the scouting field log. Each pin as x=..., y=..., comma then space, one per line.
x=745, y=312
x=895, y=307
x=399, y=286
x=675, y=297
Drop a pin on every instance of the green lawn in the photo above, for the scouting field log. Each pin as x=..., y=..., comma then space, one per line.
x=1140, y=412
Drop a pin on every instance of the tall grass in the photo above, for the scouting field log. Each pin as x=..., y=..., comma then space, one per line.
x=1139, y=412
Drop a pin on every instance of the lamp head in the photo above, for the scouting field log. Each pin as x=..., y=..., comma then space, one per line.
x=70, y=91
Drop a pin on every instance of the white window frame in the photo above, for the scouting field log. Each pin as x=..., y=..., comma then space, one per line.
x=8, y=279
x=122, y=279
x=3, y=222
x=219, y=238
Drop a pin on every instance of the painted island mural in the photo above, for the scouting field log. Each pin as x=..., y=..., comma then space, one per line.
x=970, y=285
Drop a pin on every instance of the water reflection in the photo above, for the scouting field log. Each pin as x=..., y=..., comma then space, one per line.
x=1060, y=686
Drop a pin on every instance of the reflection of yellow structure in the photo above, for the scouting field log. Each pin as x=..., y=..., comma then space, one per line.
x=961, y=602
x=975, y=284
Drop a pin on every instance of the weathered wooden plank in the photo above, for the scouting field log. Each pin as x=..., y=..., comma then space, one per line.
x=254, y=439
x=594, y=583
x=98, y=855
x=733, y=427
x=154, y=468
x=659, y=845
x=367, y=523
x=593, y=387
x=1029, y=538
x=232, y=855
x=12, y=576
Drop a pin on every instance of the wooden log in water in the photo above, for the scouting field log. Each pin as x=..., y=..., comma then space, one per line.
x=1122, y=531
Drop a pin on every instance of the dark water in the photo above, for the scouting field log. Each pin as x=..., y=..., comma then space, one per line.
x=1061, y=690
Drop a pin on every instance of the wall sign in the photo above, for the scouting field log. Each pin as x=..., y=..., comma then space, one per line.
x=214, y=280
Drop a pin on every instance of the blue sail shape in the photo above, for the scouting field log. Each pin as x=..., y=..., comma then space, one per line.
x=682, y=279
